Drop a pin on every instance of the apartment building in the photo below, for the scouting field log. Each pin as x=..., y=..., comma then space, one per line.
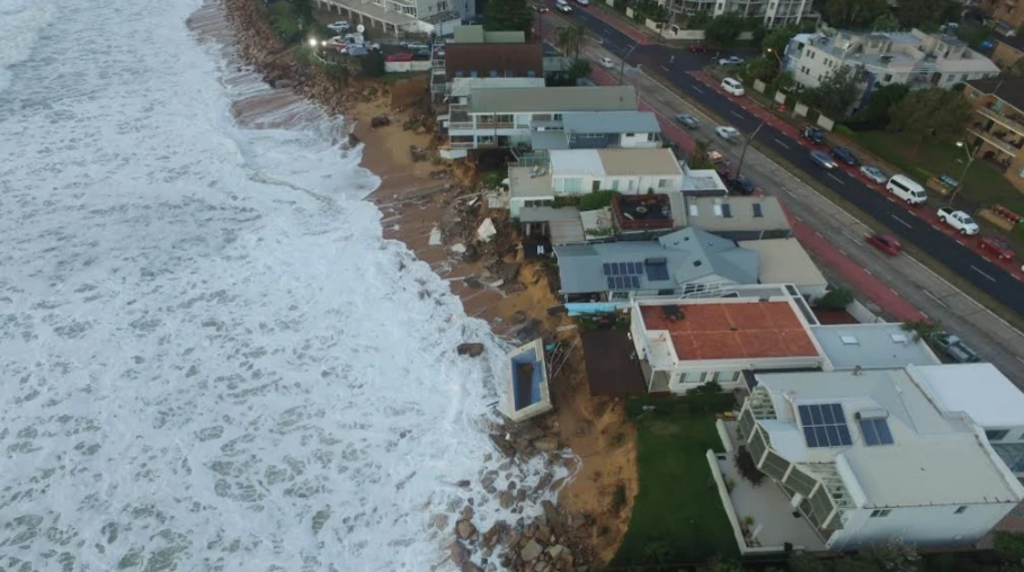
x=914, y=58
x=996, y=131
x=492, y=118
x=440, y=17
x=771, y=12
x=1009, y=14
x=1009, y=50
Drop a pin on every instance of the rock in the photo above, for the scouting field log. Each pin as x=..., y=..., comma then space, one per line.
x=542, y=566
x=544, y=481
x=284, y=84
x=532, y=432
x=554, y=519
x=503, y=445
x=556, y=551
x=467, y=513
x=488, y=478
x=531, y=551
x=463, y=484
x=505, y=466
x=470, y=349
x=544, y=533
x=521, y=495
x=546, y=444
x=465, y=529
x=440, y=521
x=460, y=554
x=507, y=500
x=511, y=485
x=492, y=535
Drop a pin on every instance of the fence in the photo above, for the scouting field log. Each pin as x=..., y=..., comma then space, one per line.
x=400, y=67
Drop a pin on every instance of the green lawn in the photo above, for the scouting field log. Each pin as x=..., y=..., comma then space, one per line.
x=984, y=183
x=677, y=515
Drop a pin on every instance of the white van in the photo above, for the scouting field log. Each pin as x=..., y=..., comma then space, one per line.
x=903, y=187
x=732, y=86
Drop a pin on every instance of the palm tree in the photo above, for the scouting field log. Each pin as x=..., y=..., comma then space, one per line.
x=570, y=40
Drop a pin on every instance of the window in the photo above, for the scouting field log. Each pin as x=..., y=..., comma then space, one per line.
x=662, y=183
x=757, y=211
x=615, y=184
x=880, y=513
x=629, y=134
x=574, y=185
x=531, y=73
x=458, y=74
x=960, y=509
x=473, y=73
x=887, y=78
x=996, y=434
x=509, y=73
x=494, y=73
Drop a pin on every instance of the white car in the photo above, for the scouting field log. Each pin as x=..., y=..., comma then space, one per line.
x=607, y=62
x=337, y=43
x=414, y=46
x=733, y=87
x=730, y=61
x=730, y=134
x=583, y=2
x=563, y=6
x=339, y=26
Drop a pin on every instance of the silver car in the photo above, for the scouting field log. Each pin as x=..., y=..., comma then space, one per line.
x=874, y=174
x=688, y=121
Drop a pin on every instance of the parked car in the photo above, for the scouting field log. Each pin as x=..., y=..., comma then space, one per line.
x=688, y=121
x=414, y=46
x=357, y=51
x=884, y=242
x=583, y=2
x=730, y=134
x=959, y=220
x=563, y=6
x=813, y=134
x=997, y=246
x=730, y=61
x=421, y=55
x=698, y=47
x=339, y=26
x=732, y=86
x=823, y=160
x=907, y=189
x=606, y=62
x=399, y=57
x=740, y=185
x=873, y=174
x=955, y=348
x=844, y=155
x=540, y=8
x=336, y=43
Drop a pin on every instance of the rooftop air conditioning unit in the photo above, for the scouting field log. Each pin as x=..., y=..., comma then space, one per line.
x=872, y=414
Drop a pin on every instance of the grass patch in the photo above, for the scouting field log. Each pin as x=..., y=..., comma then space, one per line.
x=984, y=183
x=677, y=515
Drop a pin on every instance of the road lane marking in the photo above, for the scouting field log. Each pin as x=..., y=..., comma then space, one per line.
x=961, y=243
x=697, y=89
x=737, y=115
x=781, y=143
x=975, y=268
x=901, y=221
x=835, y=178
x=868, y=271
x=791, y=193
x=1019, y=359
x=934, y=297
x=841, y=251
x=894, y=292
x=665, y=68
x=936, y=228
x=819, y=234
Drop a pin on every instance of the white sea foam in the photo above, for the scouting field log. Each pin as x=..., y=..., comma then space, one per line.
x=209, y=357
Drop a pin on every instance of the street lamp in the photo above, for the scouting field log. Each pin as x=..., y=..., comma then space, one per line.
x=312, y=42
x=622, y=66
x=776, y=54
x=970, y=161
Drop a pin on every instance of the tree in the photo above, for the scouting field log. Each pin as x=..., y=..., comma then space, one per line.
x=931, y=112
x=876, y=114
x=578, y=69
x=836, y=93
x=779, y=38
x=854, y=13
x=886, y=23
x=724, y=29
x=508, y=15
x=922, y=329
x=571, y=39
x=764, y=68
x=699, y=20
x=837, y=299
x=895, y=556
x=699, y=159
x=784, y=81
x=923, y=13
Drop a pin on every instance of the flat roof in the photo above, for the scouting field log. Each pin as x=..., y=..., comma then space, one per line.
x=872, y=346
x=934, y=459
x=784, y=261
x=477, y=35
x=464, y=86
x=527, y=182
x=744, y=214
x=728, y=330
x=615, y=162
x=553, y=99
x=611, y=122
x=702, y=180
x=977, y=389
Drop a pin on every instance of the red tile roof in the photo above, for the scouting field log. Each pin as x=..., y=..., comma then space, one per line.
x=737, y=330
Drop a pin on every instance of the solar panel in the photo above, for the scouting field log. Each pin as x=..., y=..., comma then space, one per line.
x=607, y=269
x=876, y=432
x=824, y=425
x=657, y=272
x=611, y=283
x=635, y=280
x=620, y=282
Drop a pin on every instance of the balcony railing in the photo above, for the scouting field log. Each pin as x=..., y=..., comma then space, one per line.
x=494, y=124
x=1016, y=126
x=460, y=125
x=461, y=144
x=994, y=141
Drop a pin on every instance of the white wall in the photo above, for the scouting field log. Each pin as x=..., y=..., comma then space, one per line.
x=687, y=375
x=923, y=525
x=638, y=140
x=637, y=185
x=398, y=67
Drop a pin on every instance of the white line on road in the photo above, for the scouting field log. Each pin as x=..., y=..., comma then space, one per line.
x=868, y=271
x=934, y=297
x=835, y=178
x=961, y=243
x=781, y=143
x=848, y=235
x=819, y=234
x=697, y=89
x=737, y=114
x=1019, y=359
x=975, y=268
x=791, y=193
x=665, y=68
x=843, y=252
x=936, y=228
x=903, y=222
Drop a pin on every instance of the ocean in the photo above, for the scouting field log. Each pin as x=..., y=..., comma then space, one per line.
x=210, y=358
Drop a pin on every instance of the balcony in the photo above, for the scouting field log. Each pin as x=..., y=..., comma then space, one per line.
x=494, y=124
x=1011, y=122
x=461, y=145
x=997, y=142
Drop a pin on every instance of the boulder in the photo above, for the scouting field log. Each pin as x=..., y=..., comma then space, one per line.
x=556, y=551
x=488, y=479
x=465, y=529
x=464, y=484
x=521, y=495
x=507, y=500
x=546, y=444
x=470, y=349
x=541, y=566
x=467, y=513
x=531, y=551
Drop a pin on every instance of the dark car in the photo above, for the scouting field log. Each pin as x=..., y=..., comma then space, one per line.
x=823, y=160
x=885, y=243
x=421, y=55
x=698, y=47
x=997, y=246
x=814, y=135
x=844, y=155
x=740, y=185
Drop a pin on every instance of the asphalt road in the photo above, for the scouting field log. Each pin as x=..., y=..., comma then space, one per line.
x=977, y=270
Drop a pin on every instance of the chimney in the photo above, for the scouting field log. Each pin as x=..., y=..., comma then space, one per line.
x=857, y=370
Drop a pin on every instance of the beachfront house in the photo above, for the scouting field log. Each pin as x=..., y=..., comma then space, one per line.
x=574, y=172
x=680, y=263
x=600, y=130
x=863, y=456
x=394, y=17
x=493, y=118
x=739, y=217
x=784, y=261
x=476, y=53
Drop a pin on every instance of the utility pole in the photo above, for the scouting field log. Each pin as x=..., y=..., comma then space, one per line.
x=622, y=67
x=743, y=154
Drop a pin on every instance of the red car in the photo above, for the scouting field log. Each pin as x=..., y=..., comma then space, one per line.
x=885, y=243
x=698, y=47
x=998, y=247
x=399, y=57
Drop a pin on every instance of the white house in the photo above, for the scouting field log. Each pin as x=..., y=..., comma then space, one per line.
x=770, y=12
x=440, y=17
x=684, y=343
x=914, y=58
x=866, y=455
x=568, y=172
x=982, y=392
